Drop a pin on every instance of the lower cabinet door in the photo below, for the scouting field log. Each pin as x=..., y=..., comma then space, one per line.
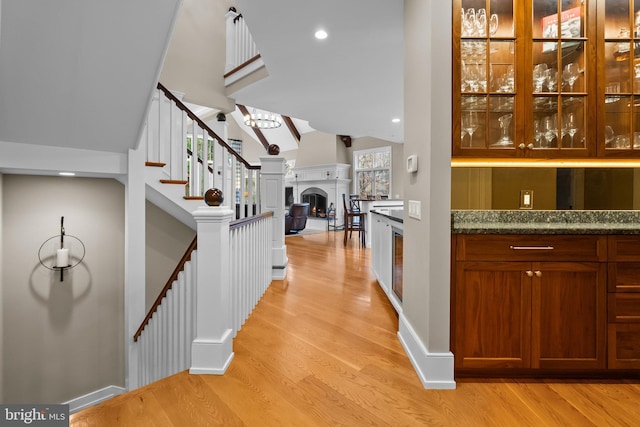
x=624, y=346
x=493, y=315
x=569, y=315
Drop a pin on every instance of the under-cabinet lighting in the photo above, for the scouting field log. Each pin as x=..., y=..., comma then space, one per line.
x=545, y=163
x=66, y=173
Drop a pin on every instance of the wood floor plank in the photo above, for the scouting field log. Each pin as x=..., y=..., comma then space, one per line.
x=321, y=349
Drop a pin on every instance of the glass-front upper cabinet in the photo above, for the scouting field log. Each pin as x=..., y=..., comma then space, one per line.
x=619, y=91
x=524, y=78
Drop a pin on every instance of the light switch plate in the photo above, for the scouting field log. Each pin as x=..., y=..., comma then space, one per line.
x=526, y=199
x=415, y=209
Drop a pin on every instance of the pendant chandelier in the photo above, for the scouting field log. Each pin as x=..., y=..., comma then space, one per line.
x=263, y=120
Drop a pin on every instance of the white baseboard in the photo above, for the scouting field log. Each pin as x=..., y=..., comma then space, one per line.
x=93, y=398
x=435, y=370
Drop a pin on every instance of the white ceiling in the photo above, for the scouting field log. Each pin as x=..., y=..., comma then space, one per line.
x=348, y=84
x=79, y=73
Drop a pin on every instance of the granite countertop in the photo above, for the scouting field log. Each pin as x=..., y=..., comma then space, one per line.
x=544, y=222
x=396, y=214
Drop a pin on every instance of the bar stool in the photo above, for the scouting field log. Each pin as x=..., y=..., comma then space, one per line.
x=353, y=220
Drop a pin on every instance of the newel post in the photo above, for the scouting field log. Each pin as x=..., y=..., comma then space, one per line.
x=212, y=348
x=272, y=199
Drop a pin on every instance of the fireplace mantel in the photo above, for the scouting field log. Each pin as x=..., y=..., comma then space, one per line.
x=333, y=179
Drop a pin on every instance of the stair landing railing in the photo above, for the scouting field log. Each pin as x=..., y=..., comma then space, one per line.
x=191, y=153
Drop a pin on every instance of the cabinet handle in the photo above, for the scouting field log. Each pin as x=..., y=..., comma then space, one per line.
x=530, y=146
x=531, y=248
x=529, y=273
x=538, y=273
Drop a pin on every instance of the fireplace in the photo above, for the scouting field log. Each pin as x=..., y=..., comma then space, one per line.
x=322, y=187
x=317, y=200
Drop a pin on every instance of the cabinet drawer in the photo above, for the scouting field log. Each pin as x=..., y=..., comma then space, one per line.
x=624, y=308
x=624, y=346
x=624, y=248
x=482, y=247
x=624, y=276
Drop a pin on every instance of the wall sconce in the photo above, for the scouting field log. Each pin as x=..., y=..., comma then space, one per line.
x=63, y=257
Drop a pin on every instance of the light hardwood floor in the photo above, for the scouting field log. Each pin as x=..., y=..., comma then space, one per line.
x=321, y=349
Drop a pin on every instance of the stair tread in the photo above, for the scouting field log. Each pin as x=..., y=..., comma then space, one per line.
x=173, y=181
x=155, y=164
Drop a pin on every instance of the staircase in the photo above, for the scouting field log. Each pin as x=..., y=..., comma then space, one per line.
x=229, y=264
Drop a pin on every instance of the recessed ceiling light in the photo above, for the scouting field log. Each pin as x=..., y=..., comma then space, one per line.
x=66, y=173
x=395, y=120
x=321, y=34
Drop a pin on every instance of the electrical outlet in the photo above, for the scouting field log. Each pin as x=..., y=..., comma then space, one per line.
x=526, y=199
x=415, y=209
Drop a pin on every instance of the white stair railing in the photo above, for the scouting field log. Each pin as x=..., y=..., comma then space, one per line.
x=241, y=49
x=165, y=337
x=187, y=150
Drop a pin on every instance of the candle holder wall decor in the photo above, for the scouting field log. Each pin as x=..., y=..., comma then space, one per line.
x=62, y=255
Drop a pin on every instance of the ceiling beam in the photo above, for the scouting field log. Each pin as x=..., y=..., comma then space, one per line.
x=346, y=139
x=292, y=127
x=257, y=131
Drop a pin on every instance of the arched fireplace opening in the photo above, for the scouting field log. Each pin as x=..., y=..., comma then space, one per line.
x=317, y=200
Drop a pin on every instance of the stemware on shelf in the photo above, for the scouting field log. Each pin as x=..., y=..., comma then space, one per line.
x=539, y=76
x=550, y=129
x=609, y=135
x=551, y=79
x=537, y=132
x=470, y=124
x=571, y=126
x=493, y=24
x=570, y=74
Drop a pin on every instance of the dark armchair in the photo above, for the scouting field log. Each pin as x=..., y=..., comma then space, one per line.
x=296, y=219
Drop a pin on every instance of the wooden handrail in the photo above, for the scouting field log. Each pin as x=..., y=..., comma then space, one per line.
x=241, y=66
x=202, y=124
x=190, y=153
x=174, y=276
x=242, y=222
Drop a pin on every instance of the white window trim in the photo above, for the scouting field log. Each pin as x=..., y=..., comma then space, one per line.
x=354, y=161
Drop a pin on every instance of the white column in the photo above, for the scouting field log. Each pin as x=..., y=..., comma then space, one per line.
x=272, y=199
x=212, y=348
x=134, y=252
x=222, y=174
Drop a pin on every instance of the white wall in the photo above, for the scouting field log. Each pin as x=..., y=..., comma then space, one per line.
x=427, y=75
x=195, y=60
x=317, y=148
x=1, y=297
x=62, y=339
x=167, y=239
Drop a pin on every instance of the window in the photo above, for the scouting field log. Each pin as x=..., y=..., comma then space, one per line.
x=372, y=172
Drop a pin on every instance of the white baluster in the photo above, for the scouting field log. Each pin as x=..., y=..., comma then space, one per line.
x=182, y=324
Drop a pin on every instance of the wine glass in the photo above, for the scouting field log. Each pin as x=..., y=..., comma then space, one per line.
x=481, y=22
x=504, y=122
x=551, y=79
x=570, y=74
x=493, y=24
x=571, y=126
x=470, y=124
x=609, y=135
x=550, y=130
x=537, y=132
x=539, y=76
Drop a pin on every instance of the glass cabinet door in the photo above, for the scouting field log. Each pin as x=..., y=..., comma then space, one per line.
x=619, y=91
x=525, y=86
x=561, y=68
x=484, y=112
